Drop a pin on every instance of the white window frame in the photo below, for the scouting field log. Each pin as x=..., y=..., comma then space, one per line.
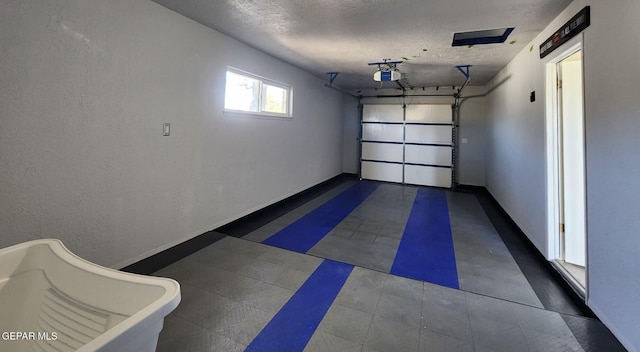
x=262, y=81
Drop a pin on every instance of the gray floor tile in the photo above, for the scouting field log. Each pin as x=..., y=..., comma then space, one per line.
x=347, y=323
x=322, y=341
x=259, y=235
x=366, y=278
x=494, y=273
x=400, y=309
x=362, y=251
x=376, y=229
x=200, y=306
x=369, y=349
x=240, y=324
x=222, y=259
x=434, y=342
x=542, y=321
x=403, y=287
x=498, y=335
x=181, y=335
x=465, y=207
x=342, y=232
x=504, y=291
x=293, y=260
x=484, y=264
x=233, y=288
x=446, y=297
x=359, y=298
x=268, y=298
x=444, y=320
x=491, y=308
x=484, y=349
x=388, y=335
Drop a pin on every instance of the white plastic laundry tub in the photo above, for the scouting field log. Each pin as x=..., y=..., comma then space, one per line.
x=53, y=300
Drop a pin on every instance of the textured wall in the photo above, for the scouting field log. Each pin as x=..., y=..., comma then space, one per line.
x=85, y=86
x=516, y=159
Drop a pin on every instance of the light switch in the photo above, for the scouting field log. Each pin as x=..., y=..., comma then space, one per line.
x=464, y=141
x=166, y=129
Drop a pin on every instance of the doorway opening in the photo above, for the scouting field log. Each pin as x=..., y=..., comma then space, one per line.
x=566, y=165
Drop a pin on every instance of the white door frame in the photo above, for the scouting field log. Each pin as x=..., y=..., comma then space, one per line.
x=552, y=137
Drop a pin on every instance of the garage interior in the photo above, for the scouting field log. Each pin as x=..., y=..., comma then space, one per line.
x=337, y=175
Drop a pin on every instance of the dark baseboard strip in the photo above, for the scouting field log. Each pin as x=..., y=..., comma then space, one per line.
x=236, y=228
x=259, y=218
x=171, y=255
x=469, y=188
x=533, y=264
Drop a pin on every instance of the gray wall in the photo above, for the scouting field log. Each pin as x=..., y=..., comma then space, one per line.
x=516, y=156
x=350, y=131
x=84, y=89
x=472, y=128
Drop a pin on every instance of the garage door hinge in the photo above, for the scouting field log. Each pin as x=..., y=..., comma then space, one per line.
x=562, y=228
x=559, y=83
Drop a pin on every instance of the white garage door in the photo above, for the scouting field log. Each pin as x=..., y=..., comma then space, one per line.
x=410, y=145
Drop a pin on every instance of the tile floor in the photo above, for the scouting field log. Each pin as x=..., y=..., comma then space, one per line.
x=234, y=287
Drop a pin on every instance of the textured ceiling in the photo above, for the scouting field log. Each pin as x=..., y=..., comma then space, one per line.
x=344, y=35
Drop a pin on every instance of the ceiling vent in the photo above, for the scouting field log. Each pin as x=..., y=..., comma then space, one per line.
x=487, y=36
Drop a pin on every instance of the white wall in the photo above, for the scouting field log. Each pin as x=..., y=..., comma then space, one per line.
x=516, y=156
x=351, y=131
x=472, y=127
x=85, y=86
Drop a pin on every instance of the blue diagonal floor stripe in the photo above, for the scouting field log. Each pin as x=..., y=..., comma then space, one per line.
x=307, y=231
x=292, y=327
x=426, y=250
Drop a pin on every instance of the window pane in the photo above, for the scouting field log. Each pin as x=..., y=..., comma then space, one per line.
x=242, y=93
x=275, y=99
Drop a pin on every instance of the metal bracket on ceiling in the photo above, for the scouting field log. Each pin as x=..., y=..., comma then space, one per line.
x=464, y=69
x=332, y=76
x=386, y=65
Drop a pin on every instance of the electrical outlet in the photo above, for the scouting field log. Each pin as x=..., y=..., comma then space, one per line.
x=464, y=141
x=166, y=129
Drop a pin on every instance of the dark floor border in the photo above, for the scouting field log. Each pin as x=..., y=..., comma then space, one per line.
x=237, y=228
x=259, y=218
x=171, y=255
x=526, y=262
x=589, y=331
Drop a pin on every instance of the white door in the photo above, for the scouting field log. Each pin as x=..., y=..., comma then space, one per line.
x=407, y=145
x=572, y=188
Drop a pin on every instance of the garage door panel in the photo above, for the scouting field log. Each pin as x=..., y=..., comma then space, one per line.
x=431, y=113
x=382, y=171
x=382, y=132
x=382, y=152
x=382, y=113
x=427, y=176
x=428, y=134
x=423, y=133
x=426, y=154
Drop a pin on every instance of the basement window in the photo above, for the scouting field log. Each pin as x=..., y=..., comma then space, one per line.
x=250, y=94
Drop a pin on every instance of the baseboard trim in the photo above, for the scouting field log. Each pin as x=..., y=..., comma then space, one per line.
x=171, y=255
